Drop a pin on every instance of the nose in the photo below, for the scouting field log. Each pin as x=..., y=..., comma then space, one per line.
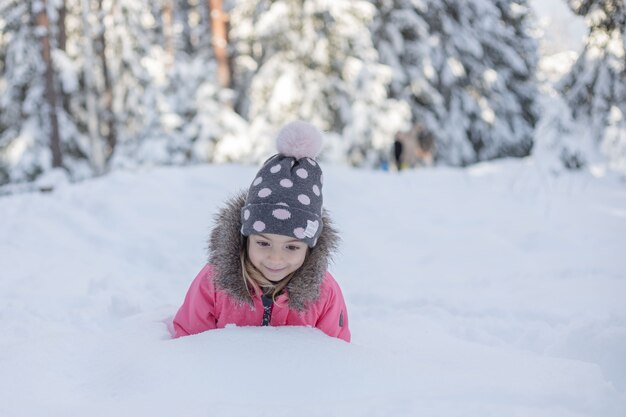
x=275, y=256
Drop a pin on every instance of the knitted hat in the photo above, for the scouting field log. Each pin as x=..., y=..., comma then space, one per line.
x=285, y=197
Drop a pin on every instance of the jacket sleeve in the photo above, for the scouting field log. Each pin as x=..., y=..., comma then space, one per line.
x=334, y=318
x=197, y=313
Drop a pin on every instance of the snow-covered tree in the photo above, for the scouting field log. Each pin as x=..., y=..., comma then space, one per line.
x=467, y=68
x=22, y=148
x=313, y=60
x=136, y=83
x=595, y=88
x=182, y=110
x=30, y=81
x=136, y=59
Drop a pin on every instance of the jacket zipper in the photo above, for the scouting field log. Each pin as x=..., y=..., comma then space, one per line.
x=267, y=309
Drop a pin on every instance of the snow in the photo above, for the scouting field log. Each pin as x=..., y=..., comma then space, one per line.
x=495, y=290
x=561, y=29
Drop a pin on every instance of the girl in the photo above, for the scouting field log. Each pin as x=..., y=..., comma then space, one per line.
x=269, y=250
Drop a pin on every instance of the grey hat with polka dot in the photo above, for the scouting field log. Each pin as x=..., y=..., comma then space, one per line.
x=285, y=197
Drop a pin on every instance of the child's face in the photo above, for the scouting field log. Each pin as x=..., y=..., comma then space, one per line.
x=276, y=256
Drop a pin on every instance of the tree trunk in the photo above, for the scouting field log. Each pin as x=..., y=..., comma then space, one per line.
x=43, y=28
x=62, y=35
x=168, y=31
x=185, y=10
x=219, y=39
x=97, y=151
x=62, y=41
x=107, y=96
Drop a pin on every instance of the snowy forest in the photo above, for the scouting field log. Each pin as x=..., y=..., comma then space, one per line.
x=89, y=86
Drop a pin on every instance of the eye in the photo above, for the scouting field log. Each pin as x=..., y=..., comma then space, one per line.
x=294, y=248
x=262, y=243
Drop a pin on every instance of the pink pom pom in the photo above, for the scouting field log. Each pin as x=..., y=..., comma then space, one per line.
x=300, y=140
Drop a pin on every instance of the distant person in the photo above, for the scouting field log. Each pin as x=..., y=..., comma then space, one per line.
x=398, y=148
x=424, y=151
x=269, y=250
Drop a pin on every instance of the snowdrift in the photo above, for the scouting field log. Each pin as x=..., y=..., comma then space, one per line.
x=491, y=291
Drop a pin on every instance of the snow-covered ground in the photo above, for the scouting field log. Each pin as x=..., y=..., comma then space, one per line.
x=492, y=291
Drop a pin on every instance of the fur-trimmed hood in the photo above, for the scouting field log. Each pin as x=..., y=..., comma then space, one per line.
x=225, y=244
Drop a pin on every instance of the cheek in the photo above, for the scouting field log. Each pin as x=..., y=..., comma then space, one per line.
x=254, y=257
x=299, y=259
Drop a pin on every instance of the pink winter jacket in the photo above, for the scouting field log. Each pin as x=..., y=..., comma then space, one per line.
x=206, y=308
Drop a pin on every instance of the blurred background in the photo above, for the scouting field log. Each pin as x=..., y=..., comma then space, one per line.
x=90, y=86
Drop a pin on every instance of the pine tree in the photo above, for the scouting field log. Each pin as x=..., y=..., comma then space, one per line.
x=130, y=31
x=23, y=152
x=595, y=88
x=196, y=95
x=181, y=111
x=467, y=68
x=132, y=89
x=25, y=130
x=316, y=61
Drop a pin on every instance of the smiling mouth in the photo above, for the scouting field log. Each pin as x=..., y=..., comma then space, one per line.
x=275, y=270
